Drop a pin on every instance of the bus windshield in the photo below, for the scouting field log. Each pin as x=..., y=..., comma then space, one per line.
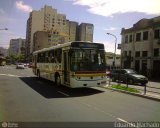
x=87, y=60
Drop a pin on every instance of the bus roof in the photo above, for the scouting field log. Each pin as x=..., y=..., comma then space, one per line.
x=63, y=45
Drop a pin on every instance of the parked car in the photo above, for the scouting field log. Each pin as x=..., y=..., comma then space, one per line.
x=25, y=64
x=128, y=76
x=20, y=66
x=108, y=73
x=30, y=65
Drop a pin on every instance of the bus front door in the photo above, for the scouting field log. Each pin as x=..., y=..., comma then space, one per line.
x=66, y=67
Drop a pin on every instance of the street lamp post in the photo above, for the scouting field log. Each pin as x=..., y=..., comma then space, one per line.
x=114, y=48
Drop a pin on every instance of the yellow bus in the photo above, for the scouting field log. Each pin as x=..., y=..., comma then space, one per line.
x=74, y=64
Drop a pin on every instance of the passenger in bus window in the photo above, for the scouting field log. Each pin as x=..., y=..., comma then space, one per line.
x=75, y=67
x=82, y=66
x=52, y=59
x=95, y=64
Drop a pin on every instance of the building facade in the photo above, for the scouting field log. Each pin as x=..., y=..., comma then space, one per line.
x=140, y=47
x=50, y=26
x=72, y=30
x=3, y=52
x=46, y=19
x=43, y=39
x=85, y=32
x=17, y=46
x=110, y=60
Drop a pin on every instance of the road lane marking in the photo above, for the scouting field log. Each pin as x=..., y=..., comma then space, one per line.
x=106, y=113
x=13, y=75
x=63, y=93
x=98, y=109
x=9, y=75
x=122, y=120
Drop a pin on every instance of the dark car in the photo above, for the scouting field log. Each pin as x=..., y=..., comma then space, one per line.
x=128, y=76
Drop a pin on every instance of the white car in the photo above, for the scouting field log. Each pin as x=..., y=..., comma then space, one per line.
x=20, y=66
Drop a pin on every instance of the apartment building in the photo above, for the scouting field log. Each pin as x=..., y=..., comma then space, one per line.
x=17, y=46
x=140, y=47
x=49, y=28
x=85, y=32
x=46, y=19
x=3, y=52
x=43, y=39
x=72, y=30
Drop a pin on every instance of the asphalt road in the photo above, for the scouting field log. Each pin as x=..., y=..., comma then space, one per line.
x=25, y=98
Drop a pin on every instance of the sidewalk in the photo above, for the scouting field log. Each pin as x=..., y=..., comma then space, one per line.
x=152, y=90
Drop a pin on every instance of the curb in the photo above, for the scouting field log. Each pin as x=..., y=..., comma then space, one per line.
x=135, y=94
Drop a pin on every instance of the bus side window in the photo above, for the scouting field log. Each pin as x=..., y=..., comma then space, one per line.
x=42, y=57
x=38, y=58
x=58, y=55
x=46, y=57
x=49, y=56
x=52, y=56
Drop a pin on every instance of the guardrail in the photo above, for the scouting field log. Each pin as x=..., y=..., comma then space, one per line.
x=143, y=88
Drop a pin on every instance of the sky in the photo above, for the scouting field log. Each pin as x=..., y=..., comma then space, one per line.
x=108, y=16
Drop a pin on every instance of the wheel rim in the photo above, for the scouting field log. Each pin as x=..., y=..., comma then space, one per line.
x=38, y=74
x=58, y=81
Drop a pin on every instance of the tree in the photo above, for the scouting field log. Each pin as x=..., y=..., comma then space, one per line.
x=17, y=58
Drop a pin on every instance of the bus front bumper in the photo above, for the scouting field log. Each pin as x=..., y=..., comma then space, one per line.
x=75, y=83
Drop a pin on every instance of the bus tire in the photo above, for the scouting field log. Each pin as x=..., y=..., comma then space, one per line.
x=58, y=80
x=38, y=74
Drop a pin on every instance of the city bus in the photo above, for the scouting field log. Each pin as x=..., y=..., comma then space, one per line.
x=73, y=64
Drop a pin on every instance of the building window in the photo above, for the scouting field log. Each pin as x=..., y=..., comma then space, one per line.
x=157, y=34
x=138, y=36
x=137, y=54
x=156, y=52
x=126, y=39
x=144, y=53
x=130, y=53
x=130, y=38
x=145, y=35
x=110, y=57
x=49, y=35
x=125, y=53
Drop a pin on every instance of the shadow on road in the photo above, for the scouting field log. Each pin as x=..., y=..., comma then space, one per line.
x=48, y=89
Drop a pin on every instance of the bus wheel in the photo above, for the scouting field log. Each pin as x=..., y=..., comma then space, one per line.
x=58, y=80
x=38, y=74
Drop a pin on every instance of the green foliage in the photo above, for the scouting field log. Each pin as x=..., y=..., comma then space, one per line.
x=17, y=58
x=120, y=87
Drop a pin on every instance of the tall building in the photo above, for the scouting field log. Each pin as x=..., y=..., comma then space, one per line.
x=49, y=28
x=46, y=19
x=140, y=47
x=72, y=30
x=44, y=39
x=3, y=52
x=85, y=32
x=17, y=46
